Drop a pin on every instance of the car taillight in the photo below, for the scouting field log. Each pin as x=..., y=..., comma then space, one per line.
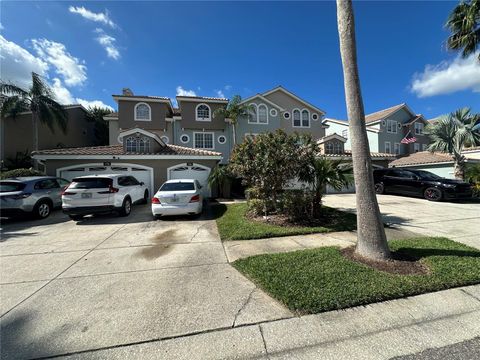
x=65, y=192
x=195, y=198
x=155, y=200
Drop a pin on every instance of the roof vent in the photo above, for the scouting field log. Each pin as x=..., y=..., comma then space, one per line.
x=127, y=92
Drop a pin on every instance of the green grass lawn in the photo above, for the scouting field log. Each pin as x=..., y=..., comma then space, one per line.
x=312, y=281
x=233, y=225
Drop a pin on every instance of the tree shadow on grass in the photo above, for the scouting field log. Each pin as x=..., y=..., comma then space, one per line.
x=420, y=253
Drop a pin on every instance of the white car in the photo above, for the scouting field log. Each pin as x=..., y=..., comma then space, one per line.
x=102, y=193
x=178, y=197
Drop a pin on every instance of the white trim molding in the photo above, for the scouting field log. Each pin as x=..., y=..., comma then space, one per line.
x=264, y=99
x=184, y=142
x=141, y=131
x=125, y=157
x=166, y=137
x=222, y=137
x=135, y=112
x=209, y=118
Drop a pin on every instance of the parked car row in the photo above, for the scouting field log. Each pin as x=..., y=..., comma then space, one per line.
x=86, y=195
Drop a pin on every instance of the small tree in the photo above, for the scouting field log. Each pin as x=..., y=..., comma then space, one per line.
x=234, y=110
x=221, y=177
x=95, y=114
x=451, y=133
x=321, y=172
x=270, y=161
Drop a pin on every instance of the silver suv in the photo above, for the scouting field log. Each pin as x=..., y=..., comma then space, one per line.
x=35, y=195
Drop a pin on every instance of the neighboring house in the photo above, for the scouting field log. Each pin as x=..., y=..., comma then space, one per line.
x=280, y=109
x=437, y=163
x=386, y=129
x=17, y=133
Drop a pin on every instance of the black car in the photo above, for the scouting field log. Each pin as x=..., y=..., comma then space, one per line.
x=422, y=183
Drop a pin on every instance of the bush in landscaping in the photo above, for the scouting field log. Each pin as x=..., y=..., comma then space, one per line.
x=20, y=173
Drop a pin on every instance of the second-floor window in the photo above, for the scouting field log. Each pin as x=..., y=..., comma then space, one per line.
x=301, y=118
x=203, y=113
x=142, y=112
x=397, y=148
x=138, y=145
x=418, y=128
x=262, y=114
x=296, y=118
x=203, y=140
x=388, y=147
x=392, y=126
x=305, y=118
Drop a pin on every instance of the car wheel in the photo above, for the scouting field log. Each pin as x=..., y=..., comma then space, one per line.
x=379, y=188
x=42, y=209
x=433, y=194
x=75, y=217
x=145, y=197
x=126, y=207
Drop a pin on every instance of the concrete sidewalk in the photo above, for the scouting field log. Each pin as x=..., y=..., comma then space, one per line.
x=377, y=331
x=244, y=248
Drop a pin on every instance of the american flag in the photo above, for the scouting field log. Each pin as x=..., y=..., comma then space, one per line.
x=409, y=138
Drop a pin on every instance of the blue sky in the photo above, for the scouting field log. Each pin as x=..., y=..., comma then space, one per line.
x=91, y=50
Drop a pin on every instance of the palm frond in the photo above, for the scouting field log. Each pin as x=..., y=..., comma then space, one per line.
x=52, y=113
x=10, y=89
x=40, y=87
x=14, y=105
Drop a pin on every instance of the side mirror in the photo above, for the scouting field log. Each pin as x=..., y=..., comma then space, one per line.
x=142, y=183
x=200, y=186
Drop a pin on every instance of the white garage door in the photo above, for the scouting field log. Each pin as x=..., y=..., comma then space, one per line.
x=191, y=171
x=141, y=173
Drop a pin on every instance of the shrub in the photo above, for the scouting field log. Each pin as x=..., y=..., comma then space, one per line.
x=297, y=204
x=19, y=173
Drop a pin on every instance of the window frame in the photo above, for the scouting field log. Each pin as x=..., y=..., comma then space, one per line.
x=263, y=106
x=389, y=147
x=418, y=130
x=308, y=118
x=395, y=147
x=149, y=112
x=188, y=138
x=203, y=134
x=209, y=113
x=415, y=147
x=223, y=137
x=299, y=118
x=394, y=126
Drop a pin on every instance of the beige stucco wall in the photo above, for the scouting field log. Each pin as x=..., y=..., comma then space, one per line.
x=126, y=115
x=18, y=133
x=188, y=121
x=159, y=166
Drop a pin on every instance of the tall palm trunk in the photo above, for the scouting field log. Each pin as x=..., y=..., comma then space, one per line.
x=371, y=239
x=35, y=136
x=459, y=167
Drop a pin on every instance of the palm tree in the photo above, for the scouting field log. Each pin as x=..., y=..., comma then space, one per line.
x=234, y=110
x=371, y=238
x=321, y=172
x=40, y=100
x=464, y=24
x=451, y=133
x=221, y=177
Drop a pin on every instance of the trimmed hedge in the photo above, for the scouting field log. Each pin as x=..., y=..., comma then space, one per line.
x=19, y=173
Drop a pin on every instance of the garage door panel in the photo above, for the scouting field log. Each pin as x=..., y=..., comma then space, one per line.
x=194, y=171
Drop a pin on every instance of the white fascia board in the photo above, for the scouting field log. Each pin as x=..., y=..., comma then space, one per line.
x=423, y=164
x=131, y=157
x=263, y=98
x=186, y=98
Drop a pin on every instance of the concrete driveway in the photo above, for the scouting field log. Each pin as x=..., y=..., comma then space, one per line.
x=106, y=281
x=458, y=221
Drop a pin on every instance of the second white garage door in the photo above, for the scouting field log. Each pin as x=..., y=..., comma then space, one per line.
x=191, y=171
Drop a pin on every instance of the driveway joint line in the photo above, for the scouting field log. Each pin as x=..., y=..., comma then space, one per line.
x=249, y=297
x=68, y=267
x=264, y=341
x=471, y=295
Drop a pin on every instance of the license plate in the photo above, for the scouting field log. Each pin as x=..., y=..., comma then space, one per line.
x=174, y=199
x=86, y=195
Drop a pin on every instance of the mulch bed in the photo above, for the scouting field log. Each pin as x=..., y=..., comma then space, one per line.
x=399, y=264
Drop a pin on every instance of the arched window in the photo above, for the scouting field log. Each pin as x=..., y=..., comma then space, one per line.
x=305, y=118
x=142, y=112
x=328, y=148
x=131, y=144
x=203, y=112
x=252, y=113
x=296, y=118
x=143, y=145
x=262, y=114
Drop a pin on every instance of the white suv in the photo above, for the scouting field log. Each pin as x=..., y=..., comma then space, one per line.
x=102, y=193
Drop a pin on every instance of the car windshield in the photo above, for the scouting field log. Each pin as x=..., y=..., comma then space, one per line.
x=90, y=183
x=7, y=186
x=427, y=175
x=177, y=186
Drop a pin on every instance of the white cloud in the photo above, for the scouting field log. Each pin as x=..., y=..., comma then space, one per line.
x=448, y=77
x=93, y=103
x=1, y=26
x=100, y=17
x=182, y=92
x=108, y=43
x=220, y=94
x=18, y=64
x=228, y=87
x=62, y=94
x=66, y=65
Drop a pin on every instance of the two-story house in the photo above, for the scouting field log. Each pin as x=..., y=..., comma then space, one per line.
x=144, y=134
x=386, y=129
